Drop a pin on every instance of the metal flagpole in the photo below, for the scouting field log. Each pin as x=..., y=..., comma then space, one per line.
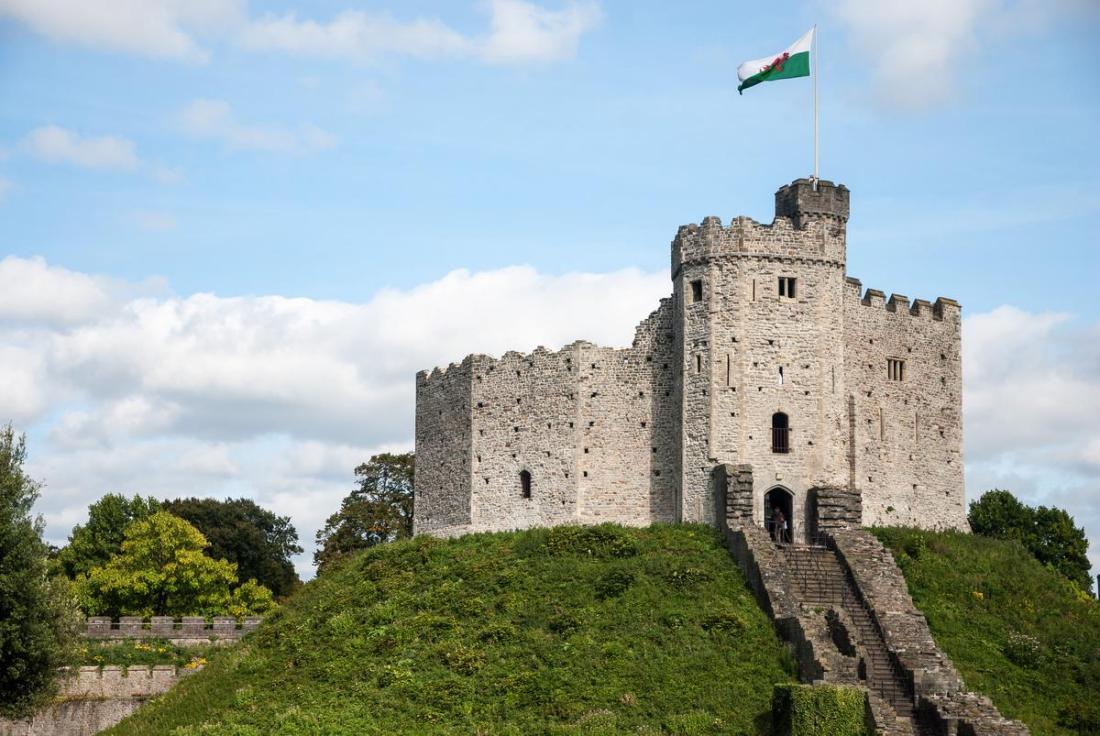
x=815, y=62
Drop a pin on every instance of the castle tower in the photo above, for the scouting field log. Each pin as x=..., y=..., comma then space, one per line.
x=846, y=405
x=760, y=341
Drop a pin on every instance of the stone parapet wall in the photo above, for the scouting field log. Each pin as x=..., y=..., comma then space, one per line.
x=92, y=699
x=188, y=629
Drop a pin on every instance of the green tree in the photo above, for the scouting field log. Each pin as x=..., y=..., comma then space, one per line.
x=37, y=618
x=238, y=530
x=161, y=571
x=379, y=510
x=1047, y=532
x=95, y=542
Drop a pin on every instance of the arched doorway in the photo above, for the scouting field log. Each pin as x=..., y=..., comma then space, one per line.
x=781, y=500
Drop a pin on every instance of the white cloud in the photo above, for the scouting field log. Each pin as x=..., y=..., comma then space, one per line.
x=215, y=120
x=519, y=31
x=523, y=31
x=917, y=49
x=278, y=399
x=55, y=144
x=355, y=34
x=268, y=397
x=154, y=28
x=1032, y=410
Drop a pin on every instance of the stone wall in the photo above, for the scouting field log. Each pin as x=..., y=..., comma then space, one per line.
x=633, y=435
x=188, y=631
x=93, y=699
x=907, y=433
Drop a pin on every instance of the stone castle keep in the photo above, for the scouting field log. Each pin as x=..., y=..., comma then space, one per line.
x=846, y=404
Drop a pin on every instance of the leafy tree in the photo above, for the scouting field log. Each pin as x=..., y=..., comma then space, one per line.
x=37, y=617
x=161, y=571
x=1047, y=532
x=379, y=510
x=250, y=599
x=238, y=530
x=94, y=543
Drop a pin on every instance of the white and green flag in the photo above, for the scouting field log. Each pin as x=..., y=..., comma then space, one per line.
x=787, y=64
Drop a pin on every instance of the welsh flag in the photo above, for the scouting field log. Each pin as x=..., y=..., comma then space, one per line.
x=788, y=64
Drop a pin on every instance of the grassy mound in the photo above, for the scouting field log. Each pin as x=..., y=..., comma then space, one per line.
x=598, y=630
x=1016, y=630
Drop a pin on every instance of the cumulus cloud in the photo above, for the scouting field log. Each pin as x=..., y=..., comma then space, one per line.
x=273, y=398
x=215, y=120
x=154, y=28
x=519, y=31
x=278, y=399
x=55, y=144
x=1032, y=410
x=916, y=49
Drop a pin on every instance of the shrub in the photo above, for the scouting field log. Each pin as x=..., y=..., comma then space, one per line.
x=591, y=541
x=613, y=583
x=818, y=710
x=1022, y=649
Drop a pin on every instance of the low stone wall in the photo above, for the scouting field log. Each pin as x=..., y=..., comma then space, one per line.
x=93, y=699
x=188, y=631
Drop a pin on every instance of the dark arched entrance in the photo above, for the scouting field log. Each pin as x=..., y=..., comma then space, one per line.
x=782, y=500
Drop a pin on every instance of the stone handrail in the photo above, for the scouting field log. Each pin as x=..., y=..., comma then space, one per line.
x=167, y=627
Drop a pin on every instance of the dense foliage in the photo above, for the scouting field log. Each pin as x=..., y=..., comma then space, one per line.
x=1047, y=532
x=258, y=541
x=95, y=542
x=379, y=510
x=599, y=630
x=1016, y=630
x=822, y=710
x=162, y=570
x=37, y=618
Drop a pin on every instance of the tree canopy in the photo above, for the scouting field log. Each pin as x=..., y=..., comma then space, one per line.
x=37, y=618
x=163, y=571
x=95, y=542
x=258, y=541
x=1047, y=532
x=379, y=509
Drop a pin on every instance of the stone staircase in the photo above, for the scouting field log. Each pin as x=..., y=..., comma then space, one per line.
x=819, y=579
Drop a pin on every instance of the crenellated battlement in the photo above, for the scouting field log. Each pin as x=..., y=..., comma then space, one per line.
x=941, y=308
x=818, y=239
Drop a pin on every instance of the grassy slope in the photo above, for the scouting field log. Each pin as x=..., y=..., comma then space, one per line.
x=568, y=631
x=1017, y=631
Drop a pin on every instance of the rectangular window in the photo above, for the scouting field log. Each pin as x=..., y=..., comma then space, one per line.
x=696, y=291
x=895, y=369
x=787, y=286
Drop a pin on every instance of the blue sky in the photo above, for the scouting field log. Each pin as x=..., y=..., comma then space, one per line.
x=232, y=184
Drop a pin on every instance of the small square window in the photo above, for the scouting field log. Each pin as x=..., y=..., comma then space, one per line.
x=787, y=286
x=895, y=369
x=696, y=291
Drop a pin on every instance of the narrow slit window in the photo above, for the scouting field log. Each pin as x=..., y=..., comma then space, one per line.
x=787, y=286
x=696, y=291
x=727, y=369
x=780, y=375
x=698, y=363
x=525, y=483
x=895, y=369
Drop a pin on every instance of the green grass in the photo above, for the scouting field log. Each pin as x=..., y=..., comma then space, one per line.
x=1016, y=630
x=599, y=630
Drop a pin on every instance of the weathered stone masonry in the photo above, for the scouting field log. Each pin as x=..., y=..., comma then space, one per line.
x=762, y=321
